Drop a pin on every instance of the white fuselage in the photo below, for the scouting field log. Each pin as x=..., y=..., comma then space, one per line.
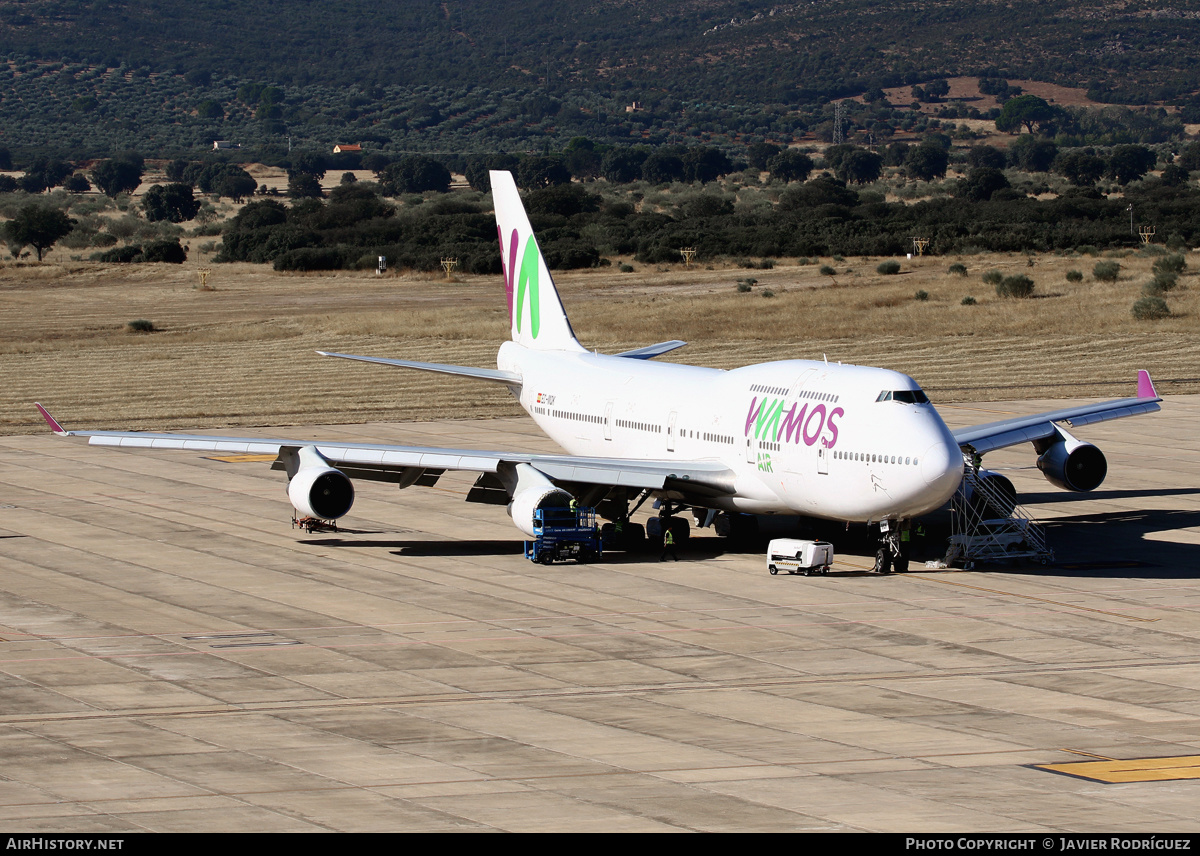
x=801, y=437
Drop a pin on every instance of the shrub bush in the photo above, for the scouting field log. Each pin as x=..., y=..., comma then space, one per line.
x=1174, y=264
x=921, y=294
x=1160, y=285
x=625, y=268
x=888, y=268
x=120, y=255
x=958, y=269
x=310, y=258
x=1106, y=271
x=1074, y=276
x=164, y=251
x=1150, y=308
x=969, y=301
x=993, y=277
x=743, y=286
x=141, y=325
x=1015, y=286
x=826, y=270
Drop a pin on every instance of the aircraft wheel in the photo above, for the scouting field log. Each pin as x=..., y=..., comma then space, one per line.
x=883, y=560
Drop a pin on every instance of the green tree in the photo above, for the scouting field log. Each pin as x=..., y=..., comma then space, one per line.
x=854, y=165
x=414, y=174
x=1024, y=110
x=790, y=165
x=1032, y=154
x=174, y=203
x=988, y=156
x=77, y=183
x=1173, y=175
x=705, y=164
x=209, y=109
x=1129, y=163
x=935, y=90
x=662, y=167
x=304, y=186
x=759, y=154
x=235, y=183
x=981, y=183
x=1081, y=168
x=926, y=162
x=45, y=172
x=1189, y=157
x=621, y=166
x=540, y=171
x=307, y=163
x=117, y=176
x=39, y=227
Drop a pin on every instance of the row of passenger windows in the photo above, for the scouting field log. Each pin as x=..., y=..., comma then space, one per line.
x=874, y=459
x=639, y=426
x=578, y=417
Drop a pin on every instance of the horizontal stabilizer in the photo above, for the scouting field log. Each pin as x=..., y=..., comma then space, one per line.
x=651, y=351
x=493, y=375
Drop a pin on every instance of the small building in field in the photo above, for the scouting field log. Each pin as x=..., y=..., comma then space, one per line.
x=347, y=148
x=225, y=144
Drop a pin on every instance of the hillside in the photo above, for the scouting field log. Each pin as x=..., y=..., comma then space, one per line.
x=166, y=76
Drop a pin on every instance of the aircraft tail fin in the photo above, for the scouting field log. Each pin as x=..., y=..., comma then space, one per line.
x=536, y=315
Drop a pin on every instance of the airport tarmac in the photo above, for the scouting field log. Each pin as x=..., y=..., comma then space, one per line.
x=174, y=657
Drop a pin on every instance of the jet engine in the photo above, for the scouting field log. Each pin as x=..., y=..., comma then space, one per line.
x=1072, y=464
x=531, y=490
x=317, y=489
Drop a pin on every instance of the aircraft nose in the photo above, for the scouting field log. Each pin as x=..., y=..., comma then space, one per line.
x=942, y=467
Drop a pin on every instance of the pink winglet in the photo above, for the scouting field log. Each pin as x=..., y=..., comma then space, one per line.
x=1145, y=385
x=51, y=421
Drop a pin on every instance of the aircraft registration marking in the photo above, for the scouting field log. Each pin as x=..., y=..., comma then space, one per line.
x=1112, y=772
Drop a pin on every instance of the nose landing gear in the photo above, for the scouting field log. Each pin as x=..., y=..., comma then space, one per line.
x=892, y=553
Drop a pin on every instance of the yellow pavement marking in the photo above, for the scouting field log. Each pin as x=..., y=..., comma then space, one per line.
x=241, y=459
x=1132, y=770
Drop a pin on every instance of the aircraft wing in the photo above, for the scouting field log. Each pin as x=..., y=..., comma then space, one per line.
x=406, y=465
x=1024, y=429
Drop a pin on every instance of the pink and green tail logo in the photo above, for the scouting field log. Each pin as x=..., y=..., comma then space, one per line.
x=526, y=281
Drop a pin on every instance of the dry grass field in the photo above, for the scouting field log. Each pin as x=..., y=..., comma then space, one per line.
x=242, y=353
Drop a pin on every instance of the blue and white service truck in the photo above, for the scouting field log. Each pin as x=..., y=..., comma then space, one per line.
x=562, y=533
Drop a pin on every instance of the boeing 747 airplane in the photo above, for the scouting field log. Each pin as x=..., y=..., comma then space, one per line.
x=795, y=437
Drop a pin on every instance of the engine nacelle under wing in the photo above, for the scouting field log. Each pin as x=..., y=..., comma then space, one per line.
x=531, y=490
x=317, y=489
x=1073, y=464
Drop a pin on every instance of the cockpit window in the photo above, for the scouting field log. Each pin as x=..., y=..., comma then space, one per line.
x=904, y=396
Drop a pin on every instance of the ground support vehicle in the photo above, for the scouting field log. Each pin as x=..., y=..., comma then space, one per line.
x=799, y=557
x=562, y=533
